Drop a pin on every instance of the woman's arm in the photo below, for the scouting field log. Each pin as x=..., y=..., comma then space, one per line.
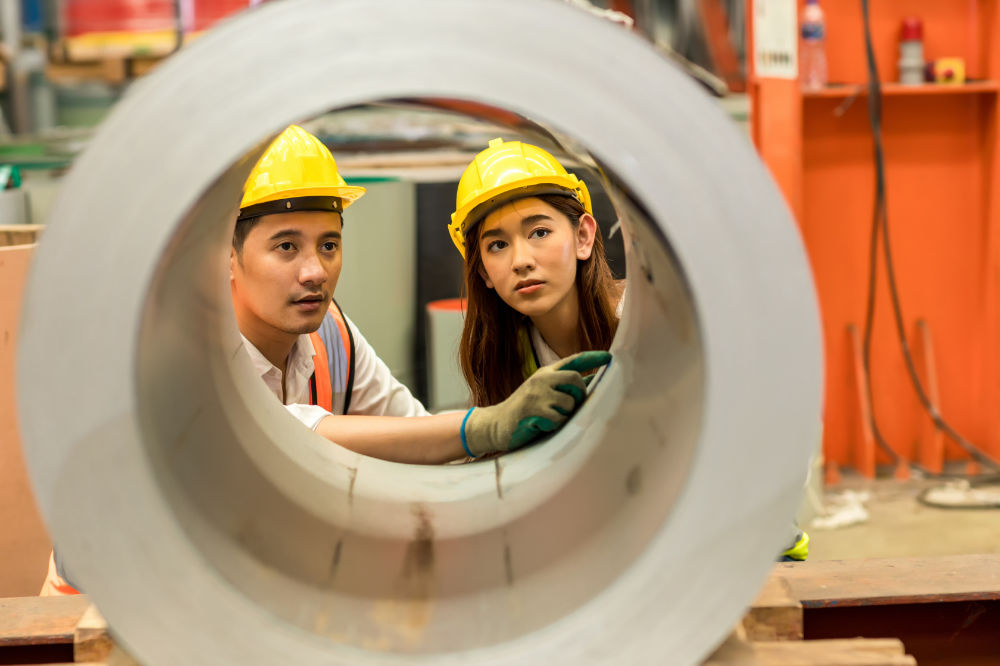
x=539, y=406
x=422, y=440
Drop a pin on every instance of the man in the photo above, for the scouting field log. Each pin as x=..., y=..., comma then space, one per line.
x=284, y=266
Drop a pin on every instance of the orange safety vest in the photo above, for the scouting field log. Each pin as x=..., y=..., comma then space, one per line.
x=332, y=381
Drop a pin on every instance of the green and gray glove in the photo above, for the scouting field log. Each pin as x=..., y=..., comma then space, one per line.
x=539, y=406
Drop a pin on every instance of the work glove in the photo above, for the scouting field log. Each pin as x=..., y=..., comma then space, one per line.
x=539, y=406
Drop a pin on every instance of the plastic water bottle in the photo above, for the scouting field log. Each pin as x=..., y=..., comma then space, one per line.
x=812, y=65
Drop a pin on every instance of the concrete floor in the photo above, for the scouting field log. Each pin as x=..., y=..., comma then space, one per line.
x=900, y=526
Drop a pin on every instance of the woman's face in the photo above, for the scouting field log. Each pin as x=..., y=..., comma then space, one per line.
x=529, y=252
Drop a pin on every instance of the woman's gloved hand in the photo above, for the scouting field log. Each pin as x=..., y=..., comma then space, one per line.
x=539, y=406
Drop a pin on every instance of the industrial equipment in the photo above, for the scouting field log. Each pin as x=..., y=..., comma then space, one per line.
x=209, y=528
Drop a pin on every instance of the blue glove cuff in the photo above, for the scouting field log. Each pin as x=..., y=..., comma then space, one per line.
x=465, y=444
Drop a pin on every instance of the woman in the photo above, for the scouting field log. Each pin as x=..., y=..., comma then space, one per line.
x=538, y=285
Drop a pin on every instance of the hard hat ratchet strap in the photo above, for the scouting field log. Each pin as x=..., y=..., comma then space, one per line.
x=291, y=205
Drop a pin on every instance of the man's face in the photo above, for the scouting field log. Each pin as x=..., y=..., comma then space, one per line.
x=284, y=277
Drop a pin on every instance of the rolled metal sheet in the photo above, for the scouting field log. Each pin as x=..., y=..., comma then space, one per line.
x=209, y=527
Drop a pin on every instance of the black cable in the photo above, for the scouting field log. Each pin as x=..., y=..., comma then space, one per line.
x=875, y=120
x=179, y=25
x=881, y=220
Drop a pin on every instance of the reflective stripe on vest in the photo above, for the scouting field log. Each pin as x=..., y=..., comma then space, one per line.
x=333, y=377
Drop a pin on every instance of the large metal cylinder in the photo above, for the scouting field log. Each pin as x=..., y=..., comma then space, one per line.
x=209, y=527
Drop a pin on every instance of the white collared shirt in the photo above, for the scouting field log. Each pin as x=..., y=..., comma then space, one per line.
x=375, y=393
x=300, y=368
x=544, y=353
x=295, y=393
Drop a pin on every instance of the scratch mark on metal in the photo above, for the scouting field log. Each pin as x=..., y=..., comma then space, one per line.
x=633, y=481
x=336, y=558
x=409, y=613
x=508, y=564
x=353, y=471
x=498, y=473
x=418, y=564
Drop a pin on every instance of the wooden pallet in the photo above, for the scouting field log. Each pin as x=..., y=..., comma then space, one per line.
x=772, y=631
x=946, y=610
x=74, y=632
x=58, y=631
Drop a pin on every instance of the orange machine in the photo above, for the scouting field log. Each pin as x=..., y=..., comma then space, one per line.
x=942, y=195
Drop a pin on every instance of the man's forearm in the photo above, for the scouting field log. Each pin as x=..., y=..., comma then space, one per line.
x=422, y=440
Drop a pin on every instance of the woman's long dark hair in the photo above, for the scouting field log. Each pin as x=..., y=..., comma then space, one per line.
x=491, y=354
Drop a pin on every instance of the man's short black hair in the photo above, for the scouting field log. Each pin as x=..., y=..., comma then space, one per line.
x=242, y=230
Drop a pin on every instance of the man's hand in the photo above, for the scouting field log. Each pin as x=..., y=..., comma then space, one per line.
x=540, y=405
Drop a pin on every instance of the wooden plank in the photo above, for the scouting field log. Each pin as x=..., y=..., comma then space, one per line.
x=737, y=651
x=40, y=620
x=19, y=234
x=852, y=652
x=775, y=615
x=918, y=580
x=91, y=640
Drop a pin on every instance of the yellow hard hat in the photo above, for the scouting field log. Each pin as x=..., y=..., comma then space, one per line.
x=504, y=172
x=296, y=172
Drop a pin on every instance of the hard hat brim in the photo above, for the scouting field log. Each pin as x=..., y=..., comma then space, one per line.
x=479, y=212
x=347, y=194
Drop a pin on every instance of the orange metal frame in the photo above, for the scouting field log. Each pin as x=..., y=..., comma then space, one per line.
x=942, y=186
